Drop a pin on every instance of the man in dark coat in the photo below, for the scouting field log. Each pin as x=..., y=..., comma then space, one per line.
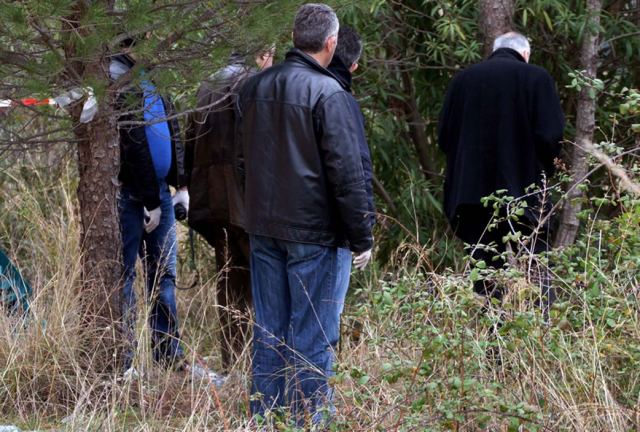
x=500, y=128
x=305, y=208
x=215, y=209
x=343, y=65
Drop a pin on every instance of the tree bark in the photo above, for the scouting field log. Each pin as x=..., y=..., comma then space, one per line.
x=98, y=166
x=496, y=18
x=417, y=126
x=585, y=126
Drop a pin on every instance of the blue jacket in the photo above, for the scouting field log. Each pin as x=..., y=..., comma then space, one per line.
x=137, y=169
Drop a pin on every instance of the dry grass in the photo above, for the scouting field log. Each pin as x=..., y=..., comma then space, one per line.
x=412, y=356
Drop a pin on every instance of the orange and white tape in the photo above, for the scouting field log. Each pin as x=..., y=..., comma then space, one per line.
x=89, y=108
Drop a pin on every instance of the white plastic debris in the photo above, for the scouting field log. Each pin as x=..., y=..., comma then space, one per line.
x=90, y=107
x=204, y=373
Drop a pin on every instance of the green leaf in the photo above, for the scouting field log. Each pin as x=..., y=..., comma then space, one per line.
x=474, y=275
x=624, y=108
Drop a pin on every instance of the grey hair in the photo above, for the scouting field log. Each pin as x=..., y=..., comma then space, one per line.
x=513, y=40
x=314, y=24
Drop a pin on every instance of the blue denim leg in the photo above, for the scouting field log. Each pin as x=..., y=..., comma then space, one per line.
x=131, y=228
x=158, y=250
x=159, y=258
x=272, y=309
x=299, y=292
x=318, y=282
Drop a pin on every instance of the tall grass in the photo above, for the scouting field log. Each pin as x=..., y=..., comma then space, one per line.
x=417, y=350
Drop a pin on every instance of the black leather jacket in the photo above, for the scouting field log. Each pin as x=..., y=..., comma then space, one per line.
x=136, y=165
x=299, y=160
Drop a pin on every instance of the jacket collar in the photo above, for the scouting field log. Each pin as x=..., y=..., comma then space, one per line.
x=507, y=53
x=296, y=56
x=124, y=59
x=341, y=71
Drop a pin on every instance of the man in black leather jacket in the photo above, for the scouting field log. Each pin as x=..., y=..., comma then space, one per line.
x=305, y=207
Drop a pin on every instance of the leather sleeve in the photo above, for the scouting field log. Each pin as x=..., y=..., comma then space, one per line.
x=548, y=123
x=342, y=161
x=238, y=157
x=177, y=177
x=190, y=134
x=135, y=151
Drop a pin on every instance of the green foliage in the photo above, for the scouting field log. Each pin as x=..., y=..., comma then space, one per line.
x=449, y=369
x=430, y=41
x=425, y=356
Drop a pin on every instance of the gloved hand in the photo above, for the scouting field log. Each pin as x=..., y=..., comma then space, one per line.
x=152, y=219
x=181, y=197
x=361, y=260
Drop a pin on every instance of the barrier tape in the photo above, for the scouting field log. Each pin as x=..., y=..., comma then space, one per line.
x=89, y=108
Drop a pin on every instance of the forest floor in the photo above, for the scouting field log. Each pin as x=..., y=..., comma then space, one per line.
x=417, y=350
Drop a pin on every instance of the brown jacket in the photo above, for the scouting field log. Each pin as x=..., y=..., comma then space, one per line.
x=209, y=153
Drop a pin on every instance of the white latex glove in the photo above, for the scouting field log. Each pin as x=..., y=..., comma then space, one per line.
x=154, y=219
x=181, y=197
x=361, y=260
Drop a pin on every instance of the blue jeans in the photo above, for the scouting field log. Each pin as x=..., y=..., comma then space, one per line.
x=298, y=292
x=158, y=253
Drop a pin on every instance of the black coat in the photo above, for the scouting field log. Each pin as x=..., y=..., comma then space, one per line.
x=210, y=151
x=299, y=160
x=341, y=71
x=500, y=128
x=137, y=171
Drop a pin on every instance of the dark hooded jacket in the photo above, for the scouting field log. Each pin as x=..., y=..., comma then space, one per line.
x=210, y=150
x=341, y=71
x=137, y=171
x=299, y=160
x=500, y=127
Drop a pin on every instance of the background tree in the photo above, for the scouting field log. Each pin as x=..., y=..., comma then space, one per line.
x=414, y=48
x=52, y=47
x=585, y=125
x=496, y=18
x=412, y=327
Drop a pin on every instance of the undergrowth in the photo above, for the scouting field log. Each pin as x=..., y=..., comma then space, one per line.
x=417, y=351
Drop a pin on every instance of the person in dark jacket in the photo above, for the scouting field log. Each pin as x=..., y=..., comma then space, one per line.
x=343, y=65
x=151, y=159
x=216, y=208
x=305, y=207
x=501, y=128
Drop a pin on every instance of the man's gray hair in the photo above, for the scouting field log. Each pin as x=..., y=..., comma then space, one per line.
x=513, y=40
x=314, y=24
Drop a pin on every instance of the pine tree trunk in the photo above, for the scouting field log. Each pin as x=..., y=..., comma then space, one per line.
x=98, y=164
x=496, y=18
x=585, y=125
x=98, y=167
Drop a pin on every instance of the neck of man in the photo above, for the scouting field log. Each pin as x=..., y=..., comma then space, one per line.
x=322, y=58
